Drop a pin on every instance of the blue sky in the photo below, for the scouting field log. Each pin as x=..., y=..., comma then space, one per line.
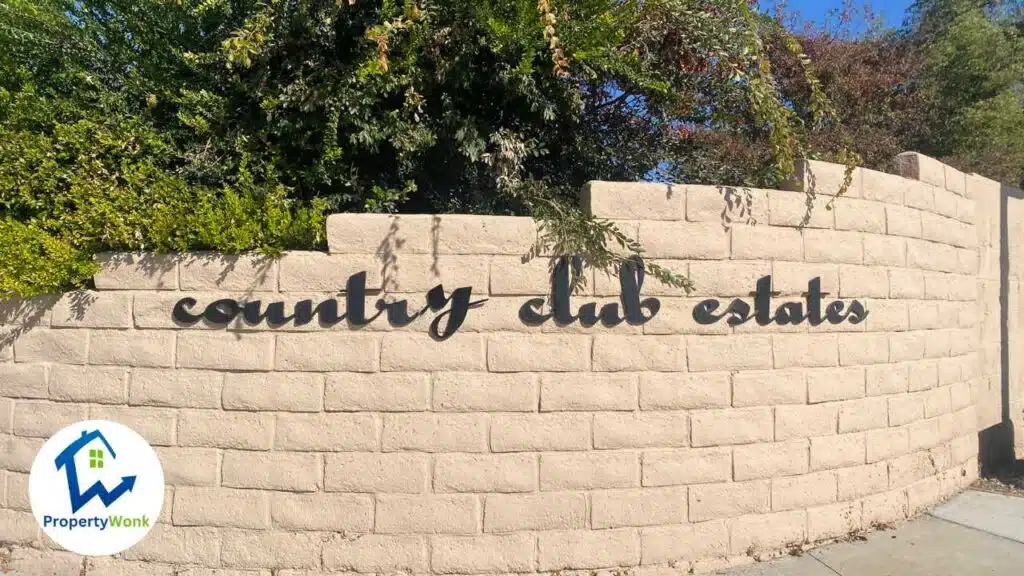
x=816, y=10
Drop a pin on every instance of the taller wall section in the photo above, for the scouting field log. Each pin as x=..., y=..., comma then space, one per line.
x=1000, y=227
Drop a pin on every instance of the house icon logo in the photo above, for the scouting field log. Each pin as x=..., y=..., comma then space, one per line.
x=66, y=461
x=96, y=488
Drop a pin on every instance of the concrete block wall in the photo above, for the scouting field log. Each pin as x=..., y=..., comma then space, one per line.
x=1000, y=227
x=987, y=199
x=507, y=448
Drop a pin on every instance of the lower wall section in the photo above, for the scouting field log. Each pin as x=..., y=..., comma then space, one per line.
x=311, y=537
x=253, y=488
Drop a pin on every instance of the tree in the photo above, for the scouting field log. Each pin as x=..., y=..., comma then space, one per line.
x=870, y=79
x=235, y=124
x=972, y=83
x=948, y=84
x=865, y=79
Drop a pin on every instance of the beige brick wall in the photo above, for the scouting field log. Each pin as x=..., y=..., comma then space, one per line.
x=314, y=449
x=1000, y=235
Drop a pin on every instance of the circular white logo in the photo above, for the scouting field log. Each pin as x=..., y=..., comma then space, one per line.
x=96, y=488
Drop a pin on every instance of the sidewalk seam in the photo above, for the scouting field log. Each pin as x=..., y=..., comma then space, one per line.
x=822, y=562
x=976, y=529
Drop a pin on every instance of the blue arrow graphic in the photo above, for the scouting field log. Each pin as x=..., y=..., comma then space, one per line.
x=99, y=490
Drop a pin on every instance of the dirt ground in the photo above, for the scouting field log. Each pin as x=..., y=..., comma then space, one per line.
x=1009, y=481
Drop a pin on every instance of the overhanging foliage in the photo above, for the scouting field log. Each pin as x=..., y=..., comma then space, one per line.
x=236, y=124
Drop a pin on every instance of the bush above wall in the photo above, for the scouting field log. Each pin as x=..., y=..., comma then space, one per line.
x=235, y=124
x=69, y=189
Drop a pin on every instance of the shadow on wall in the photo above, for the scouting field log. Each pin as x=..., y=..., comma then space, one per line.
x=159, y=266
x=149, y=263
x=389, y=246
x=738, y=206
x=810, y=187
x=20, y=316
x=997, y=443
x=738, y=202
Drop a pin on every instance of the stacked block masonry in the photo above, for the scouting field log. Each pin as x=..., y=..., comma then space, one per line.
x=662, y=447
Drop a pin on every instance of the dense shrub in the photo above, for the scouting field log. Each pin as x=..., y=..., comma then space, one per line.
x=35, y=262
x=237, y=124
x=72, y=188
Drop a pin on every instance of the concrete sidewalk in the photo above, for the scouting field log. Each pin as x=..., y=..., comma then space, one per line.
x=976, y=533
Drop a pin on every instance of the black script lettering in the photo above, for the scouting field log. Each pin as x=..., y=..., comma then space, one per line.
x=631, y=279
x=274, y=314
x=529, y=312
x=181, y=311
x=222, y=311
x=447, y=322
x=739, y=312
x=834, y=313
x=459, y=299
x=703, y=312
x=589, y=315
x=814, y=295
x=790, y=313
x=610, y=315
x=355, y=301
x=398, y=312
x=786, y=313
x=763, y=300
x=326, y=313
x=857, y=312
x=561, y=294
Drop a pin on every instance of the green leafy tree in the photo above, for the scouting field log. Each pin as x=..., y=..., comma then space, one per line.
x=973, y=84
x=848, y=90
x=237, y=124
x=948, y=84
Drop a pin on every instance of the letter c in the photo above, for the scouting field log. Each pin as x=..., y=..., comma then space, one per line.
x=530, y=312
x=181, y=311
